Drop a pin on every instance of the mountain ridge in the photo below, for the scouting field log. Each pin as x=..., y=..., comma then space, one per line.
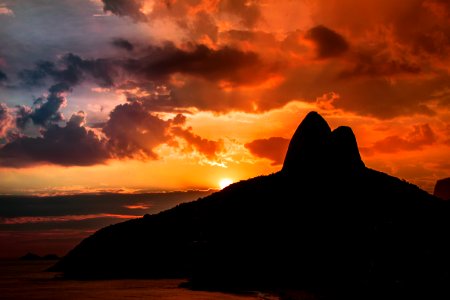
x=325, y=223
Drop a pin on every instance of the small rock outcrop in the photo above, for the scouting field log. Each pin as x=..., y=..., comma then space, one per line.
x=442, y=189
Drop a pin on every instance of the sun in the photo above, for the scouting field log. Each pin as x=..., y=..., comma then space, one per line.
x=224, y=182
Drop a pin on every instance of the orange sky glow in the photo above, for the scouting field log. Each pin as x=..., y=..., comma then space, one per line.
x=192, y=92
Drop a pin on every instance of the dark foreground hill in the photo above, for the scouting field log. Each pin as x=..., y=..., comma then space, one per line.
x=324, y=223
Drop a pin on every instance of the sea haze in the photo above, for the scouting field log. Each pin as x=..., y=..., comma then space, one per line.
x=55, y=224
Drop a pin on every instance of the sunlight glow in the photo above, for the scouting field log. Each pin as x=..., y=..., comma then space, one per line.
x=223, y=183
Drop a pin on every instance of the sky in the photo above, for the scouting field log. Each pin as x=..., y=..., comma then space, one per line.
x=107, y=95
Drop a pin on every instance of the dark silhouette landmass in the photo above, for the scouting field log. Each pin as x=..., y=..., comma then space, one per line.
x=324, y=223
x=32, y=256
x=442, y=189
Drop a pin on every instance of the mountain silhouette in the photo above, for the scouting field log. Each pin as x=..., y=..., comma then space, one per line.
x=324, y=223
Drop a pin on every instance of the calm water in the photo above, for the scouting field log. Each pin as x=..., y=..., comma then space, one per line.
x=26, y=280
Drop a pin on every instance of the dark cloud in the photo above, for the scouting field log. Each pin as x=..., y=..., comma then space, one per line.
x=226, y=63
x=23, y=114
x=370, y=95
x=328, y=42
x=67, y=146
x=45, y=111
x=78, y=119
x=184, y=78
x=196, y=68
x=383, y=20
x=101, y=70
x=155, y=66
x=71, y=71
x=3, y=77
x=378, y=62
x=123, y=44
x=133, y=132
x=43, y=69
x=419, y=137
x=273, y=148
x=389, y=70
x=130, y=8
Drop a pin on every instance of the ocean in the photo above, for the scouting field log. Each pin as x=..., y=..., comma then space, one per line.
x=28, y=280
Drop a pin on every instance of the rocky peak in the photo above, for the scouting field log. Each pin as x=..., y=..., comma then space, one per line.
x=307, y=148
x=344, y=153
x=315, y=149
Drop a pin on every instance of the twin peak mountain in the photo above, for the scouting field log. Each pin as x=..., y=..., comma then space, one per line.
x=325, y=222
x=314, y=149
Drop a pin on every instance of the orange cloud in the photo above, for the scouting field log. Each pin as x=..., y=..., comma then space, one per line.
x=273, y=148
x=6, y=120
x=240, y=61
x=329, y=43
x=207, y=147
x=419, y=137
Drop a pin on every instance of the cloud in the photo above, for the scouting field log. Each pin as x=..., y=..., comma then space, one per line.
x=123, y=44
x=6, y=120
x=46, y=111
x=71, y=71
x=207, y=147
x=3, y=77
x=130, y=8
x=4, y=10
x=419, y=137
x=329, y=43
x=156, y=68
x=225, y=50
x=223, y=56
x=246, y=13
x=379, y=63
x=67, y=146
x=44, y=69
x=228, y=64
x=273, y=148
x=134, y=132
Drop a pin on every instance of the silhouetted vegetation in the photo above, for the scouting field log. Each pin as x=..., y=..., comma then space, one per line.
x=324, y=224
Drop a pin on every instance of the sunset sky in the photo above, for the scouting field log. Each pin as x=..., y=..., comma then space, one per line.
x=134, y=95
